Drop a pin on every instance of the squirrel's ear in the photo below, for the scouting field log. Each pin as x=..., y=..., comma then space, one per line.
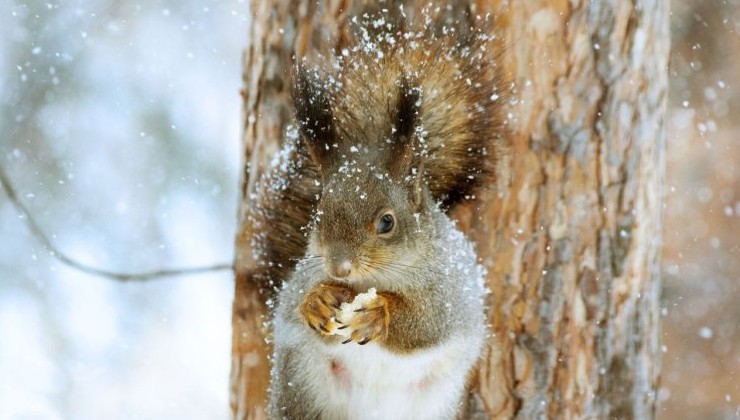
x=313, y=114
x=407, y=157
x=406, y=150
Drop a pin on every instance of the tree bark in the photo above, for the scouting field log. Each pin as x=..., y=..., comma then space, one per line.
x=570, y=236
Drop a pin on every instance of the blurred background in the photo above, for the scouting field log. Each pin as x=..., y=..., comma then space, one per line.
x=120, y=131
x=701, y=254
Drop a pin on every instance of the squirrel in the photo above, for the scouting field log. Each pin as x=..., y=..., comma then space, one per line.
x=464, y=132
x=382, y=316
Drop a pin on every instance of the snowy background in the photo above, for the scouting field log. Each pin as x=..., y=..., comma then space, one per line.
x=701, y=255
x=120, y=130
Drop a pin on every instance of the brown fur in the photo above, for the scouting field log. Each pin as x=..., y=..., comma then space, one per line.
x=286, y=197
x=459, y=92
x=463, y=125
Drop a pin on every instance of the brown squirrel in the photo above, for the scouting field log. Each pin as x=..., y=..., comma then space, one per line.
x=464, y=126
x=383, y=315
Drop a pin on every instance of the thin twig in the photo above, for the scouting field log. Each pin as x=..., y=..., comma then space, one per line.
x=64, y=258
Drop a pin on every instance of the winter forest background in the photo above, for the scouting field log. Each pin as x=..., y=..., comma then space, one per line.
x=120, y=131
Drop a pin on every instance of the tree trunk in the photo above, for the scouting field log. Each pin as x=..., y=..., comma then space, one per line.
x=570, y=236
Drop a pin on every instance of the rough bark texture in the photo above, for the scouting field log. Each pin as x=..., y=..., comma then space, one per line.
x=571, y=235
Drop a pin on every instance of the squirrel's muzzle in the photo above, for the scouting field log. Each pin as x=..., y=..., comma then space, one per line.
x=339, y=267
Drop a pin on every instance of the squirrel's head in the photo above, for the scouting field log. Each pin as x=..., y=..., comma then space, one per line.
x=374, y=206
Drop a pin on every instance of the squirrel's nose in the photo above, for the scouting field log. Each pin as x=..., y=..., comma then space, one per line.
x=341, y=268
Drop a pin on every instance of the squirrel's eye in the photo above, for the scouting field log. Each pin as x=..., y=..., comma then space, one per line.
x=385, y=223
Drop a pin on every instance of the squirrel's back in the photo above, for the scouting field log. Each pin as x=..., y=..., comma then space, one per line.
x=460, y=119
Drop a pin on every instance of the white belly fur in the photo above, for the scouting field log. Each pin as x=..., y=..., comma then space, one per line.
x=374, y=383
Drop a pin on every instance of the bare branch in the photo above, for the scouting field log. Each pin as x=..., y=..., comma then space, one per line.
x=64, y=258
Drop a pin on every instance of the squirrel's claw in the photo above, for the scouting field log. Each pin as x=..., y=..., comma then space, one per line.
x=371, y=321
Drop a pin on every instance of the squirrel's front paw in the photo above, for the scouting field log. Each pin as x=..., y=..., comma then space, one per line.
x=370, y=321
x=321, y=307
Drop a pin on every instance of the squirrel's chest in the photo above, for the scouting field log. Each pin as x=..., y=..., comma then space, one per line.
x=375, y=383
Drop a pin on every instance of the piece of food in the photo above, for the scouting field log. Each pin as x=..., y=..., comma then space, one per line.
x=347, y=312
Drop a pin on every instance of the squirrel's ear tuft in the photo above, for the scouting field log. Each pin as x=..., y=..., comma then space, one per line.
x=312, y=106
x=408, y=106
x=407, y=151
x=407, y=157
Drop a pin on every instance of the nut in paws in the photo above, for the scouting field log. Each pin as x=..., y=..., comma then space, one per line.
x=321, y=307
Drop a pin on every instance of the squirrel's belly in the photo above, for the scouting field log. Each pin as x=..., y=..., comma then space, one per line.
x=369, y=382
